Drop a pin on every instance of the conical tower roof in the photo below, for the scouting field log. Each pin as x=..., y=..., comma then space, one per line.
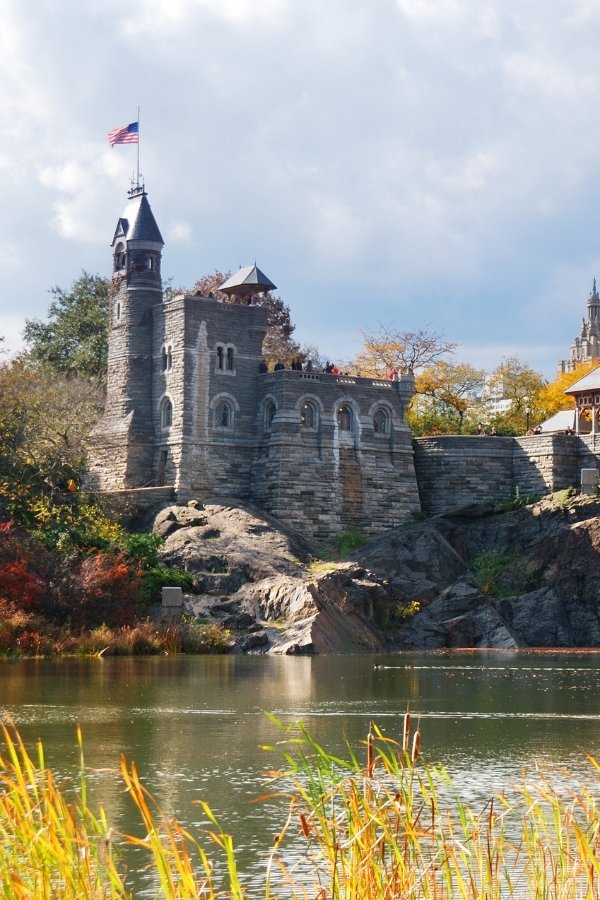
x=137, y=222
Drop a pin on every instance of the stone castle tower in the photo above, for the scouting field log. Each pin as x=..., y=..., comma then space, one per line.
x=586, y=347
x=190, y=406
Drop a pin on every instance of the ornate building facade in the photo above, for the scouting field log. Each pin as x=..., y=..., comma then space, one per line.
x=586, y=347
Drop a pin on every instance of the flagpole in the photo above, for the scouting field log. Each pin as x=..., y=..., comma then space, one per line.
x=138, y=148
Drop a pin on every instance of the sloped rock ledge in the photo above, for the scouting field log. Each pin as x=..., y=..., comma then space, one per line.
x=261, y=579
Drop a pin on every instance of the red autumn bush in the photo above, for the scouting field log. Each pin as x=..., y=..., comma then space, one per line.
x=19, y=582
x=109, y=591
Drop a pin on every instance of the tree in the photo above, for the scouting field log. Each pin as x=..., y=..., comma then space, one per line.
x=451, y=389
x=278, y=343
x=520, y=385
x=388, y=351
x=45, y=418
x=552, y=397
x=74, y=339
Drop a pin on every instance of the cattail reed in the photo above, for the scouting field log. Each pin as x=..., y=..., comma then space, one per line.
x=396, y=828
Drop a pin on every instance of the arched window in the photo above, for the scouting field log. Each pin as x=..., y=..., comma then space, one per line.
x=381, y=422
x=166, y=413
x=344, y=418
x=230, y=359
x=308, y=415
x=220, y=362
x=223, y=415
x=120, y=256
x=150, y=263
x=270, y=410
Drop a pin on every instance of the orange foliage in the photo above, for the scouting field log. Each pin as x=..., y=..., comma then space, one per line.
x=18, y=583
x=552, y=398
x=111, y=589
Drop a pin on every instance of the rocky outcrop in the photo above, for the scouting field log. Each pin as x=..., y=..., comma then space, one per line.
x=264, y=581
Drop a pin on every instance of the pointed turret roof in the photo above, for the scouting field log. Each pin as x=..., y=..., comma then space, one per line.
x=137, y=222
x=248, y=280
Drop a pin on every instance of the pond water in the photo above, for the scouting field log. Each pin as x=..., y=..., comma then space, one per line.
x=194, y=724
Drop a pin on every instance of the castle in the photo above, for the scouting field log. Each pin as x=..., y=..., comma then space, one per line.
x=189, y=406
x=191, y=414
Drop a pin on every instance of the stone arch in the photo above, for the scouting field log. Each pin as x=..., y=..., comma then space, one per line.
x=268, y=411
x=224, y=408
x=381, y=416
x=225, y=357
x=346, y=410
x=165, y=411
x=166, y=357
x=120, y=256
x=317, y=408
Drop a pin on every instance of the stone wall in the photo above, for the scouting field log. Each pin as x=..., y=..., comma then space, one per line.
x=588, y=456
x=323, y=478
x=459, y=470
x=454, y=471
x=545, y=463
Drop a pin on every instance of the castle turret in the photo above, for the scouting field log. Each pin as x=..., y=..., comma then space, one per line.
x=593, y=306
x=122, y=443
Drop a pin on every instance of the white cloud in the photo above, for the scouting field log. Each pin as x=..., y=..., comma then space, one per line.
x=161, y=17
x=178, y=232
x=548, y=76
x=423, y=150
x=10, y=254
x=429, y=9
x=11, y=329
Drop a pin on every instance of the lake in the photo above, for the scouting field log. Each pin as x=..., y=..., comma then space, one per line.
x=194, y=724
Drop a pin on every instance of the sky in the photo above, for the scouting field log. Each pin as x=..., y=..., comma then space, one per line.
x=395, y=163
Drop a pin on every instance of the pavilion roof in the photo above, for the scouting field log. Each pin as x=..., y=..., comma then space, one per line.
x=589, y=382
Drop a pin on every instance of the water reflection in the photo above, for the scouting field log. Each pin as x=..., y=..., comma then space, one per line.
x=193, y=725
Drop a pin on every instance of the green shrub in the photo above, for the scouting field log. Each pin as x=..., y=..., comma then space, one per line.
x=344, y=543
x=347, y=541
x=158, y=577
x=561, y=498
x=142, y=547
x=500, y=574
x=519, y=501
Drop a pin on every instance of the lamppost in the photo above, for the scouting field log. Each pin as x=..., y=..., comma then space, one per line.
x=527, y=414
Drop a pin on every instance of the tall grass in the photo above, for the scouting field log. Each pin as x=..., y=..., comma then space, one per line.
x=384, y=826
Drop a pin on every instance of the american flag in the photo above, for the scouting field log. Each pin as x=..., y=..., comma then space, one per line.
x=127, y=134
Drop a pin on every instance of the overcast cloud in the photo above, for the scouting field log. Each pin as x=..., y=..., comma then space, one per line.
x=384, y=161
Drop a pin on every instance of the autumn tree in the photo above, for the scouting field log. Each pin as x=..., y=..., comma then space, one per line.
x=278, y=343
x=74, y=338
x=446, y=391
x=520, y=385
x=45, y=418
x=552, y=397
x=388, y=350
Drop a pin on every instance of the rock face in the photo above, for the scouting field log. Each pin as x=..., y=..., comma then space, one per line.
x=479, y=578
